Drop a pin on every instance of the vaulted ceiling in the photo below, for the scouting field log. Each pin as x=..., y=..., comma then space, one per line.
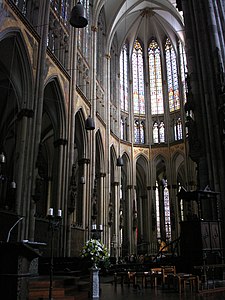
x=143, y=18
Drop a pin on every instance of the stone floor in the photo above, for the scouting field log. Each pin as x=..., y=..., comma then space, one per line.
x=111, y=292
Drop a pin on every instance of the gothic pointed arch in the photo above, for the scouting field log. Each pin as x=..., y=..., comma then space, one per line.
x=16, y=86
x=81, y=135
x=97, y=198
x=112, y=214
x=113, y=157
x=141, y=172
x=54, y=106
x=125, y=210
x=100, y=152
x=178, y=167
x=79, y=174
x=16, y=62
x=51, y=145
x=141, y=201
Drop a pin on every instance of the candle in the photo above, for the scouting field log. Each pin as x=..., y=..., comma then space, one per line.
x=50, y=211
x=100, y=227
x=94, y=227
x=59, y=213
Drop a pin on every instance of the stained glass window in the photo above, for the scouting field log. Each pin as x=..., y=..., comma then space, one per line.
x=155, y=76
x=167, y=211
x=122, y=135
x=142, y=133
x=166, y=207
x=178, y=133
x=139, y=132
x=138, y=79
x=172, y=77
x=124, y=78
x=155, y=133
x=157, y=211
x=161, y=132
x=183, y=69
x=158, y=132
x=84, y=33
x=61, y=7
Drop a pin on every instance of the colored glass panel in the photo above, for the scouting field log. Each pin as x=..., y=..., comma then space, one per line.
x=172, y=77
x=124, y=78
x=138, y=79
x=155, y=76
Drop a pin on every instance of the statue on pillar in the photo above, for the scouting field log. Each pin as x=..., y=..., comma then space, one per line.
x=73, y=191
x=110, y=221
x=94, y=208
x=135, y=219
x=193, y=139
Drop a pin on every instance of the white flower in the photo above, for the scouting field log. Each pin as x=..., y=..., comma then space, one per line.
x=95, y=251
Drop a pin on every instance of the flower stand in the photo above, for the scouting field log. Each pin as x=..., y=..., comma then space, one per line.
x=94, y=283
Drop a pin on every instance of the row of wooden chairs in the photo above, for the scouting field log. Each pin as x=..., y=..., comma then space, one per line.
x=164, y=276
x=155, y=276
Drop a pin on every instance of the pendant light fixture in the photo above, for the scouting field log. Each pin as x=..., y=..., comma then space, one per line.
x=77, y=18
x=119, y=162
x=13, y=185
x=2, y=158
x=89, y=123
x=82, y=180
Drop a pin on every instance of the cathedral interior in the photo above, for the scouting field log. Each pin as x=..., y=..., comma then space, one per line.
x=113, y=127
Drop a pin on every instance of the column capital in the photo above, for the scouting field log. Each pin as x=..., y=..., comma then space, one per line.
x=60, y=142
x=25, y=112
x=102, y=174
x=83, y=161
x=94, y=28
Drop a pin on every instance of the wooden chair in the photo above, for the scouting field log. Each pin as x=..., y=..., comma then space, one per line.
x=122, y=275
x=183, y=279
x=131, y=278
x=168, y=272
x=156, y=274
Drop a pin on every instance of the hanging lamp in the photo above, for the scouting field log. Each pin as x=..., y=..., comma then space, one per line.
x=77, y=18
x=89, y=124
x=119, y=162
x=2, y=158
x=13, y=185
x=82, y=180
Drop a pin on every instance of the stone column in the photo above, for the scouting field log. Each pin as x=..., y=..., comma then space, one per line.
x=23, y=207
x=129, y=217
x=116, y=217
x=38, y=102
x=60, y=186
x=94, y=283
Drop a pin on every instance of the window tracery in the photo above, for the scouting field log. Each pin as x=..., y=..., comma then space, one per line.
x=138, y=79
x=178, y=132
x=172, y=77
x=155, y=77
x=139, y=131
x=124, y=78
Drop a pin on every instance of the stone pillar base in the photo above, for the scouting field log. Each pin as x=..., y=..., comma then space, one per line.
x=94, y=283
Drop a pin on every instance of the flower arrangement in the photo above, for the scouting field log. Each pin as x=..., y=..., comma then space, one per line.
x=95, y=251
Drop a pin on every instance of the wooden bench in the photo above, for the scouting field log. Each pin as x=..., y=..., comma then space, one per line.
x=182, y=279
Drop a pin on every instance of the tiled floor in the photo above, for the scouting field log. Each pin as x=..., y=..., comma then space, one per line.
x=111, y=292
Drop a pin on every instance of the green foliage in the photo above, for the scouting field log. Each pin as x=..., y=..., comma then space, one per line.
x=96, y=252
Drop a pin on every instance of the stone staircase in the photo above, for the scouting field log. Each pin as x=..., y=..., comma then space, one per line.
x=64, y=288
